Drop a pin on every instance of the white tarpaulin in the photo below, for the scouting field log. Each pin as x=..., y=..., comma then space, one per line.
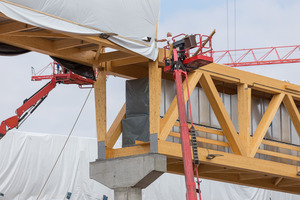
x=132, y=20
x=27, y=158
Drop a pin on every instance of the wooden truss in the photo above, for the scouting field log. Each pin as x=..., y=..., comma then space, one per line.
x=240, y=167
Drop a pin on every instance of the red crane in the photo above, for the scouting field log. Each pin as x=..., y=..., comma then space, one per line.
x=258, y=56
x=59, y=75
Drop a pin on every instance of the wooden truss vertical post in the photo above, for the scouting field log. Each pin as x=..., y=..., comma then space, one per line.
x=100, y=103
x=154, y=104
x=244, y=115
x=221, y=114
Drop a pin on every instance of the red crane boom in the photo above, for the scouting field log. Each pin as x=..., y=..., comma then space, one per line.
x=258, y=56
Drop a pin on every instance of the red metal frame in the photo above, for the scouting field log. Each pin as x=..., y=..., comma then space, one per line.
x=203, y=57
x=64, y=76
x=33, y=101
x=193, y=58
x=184, y=130
x=250, y=57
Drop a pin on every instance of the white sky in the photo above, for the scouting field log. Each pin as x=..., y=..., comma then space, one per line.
x=258, y=24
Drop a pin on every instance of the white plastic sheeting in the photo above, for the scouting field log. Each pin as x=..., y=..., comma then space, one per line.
x=132, y=20
x=170, y=186
x=27, y=158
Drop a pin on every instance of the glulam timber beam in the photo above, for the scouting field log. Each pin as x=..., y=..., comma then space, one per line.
x=251, y=176
x=116, y=55
x=45, y=46
x=231, y=161
x=68, y=43
x=12, y=27
x=15, y=26
x=254, y=81
x=128, y=61
x=39, y=34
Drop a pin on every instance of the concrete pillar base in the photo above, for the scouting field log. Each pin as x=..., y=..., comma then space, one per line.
x=127, y=176
x=128, y=194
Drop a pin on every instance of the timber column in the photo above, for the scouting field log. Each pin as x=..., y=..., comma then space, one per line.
x=154, y=104
x=100, y=104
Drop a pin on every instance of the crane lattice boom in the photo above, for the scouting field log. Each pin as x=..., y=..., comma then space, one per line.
x=258, y=56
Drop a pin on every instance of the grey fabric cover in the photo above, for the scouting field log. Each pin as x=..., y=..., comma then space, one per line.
x=136, y=125
x=135, y=128
x=137, y=97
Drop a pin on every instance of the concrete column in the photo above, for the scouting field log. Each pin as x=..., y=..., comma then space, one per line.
x=127, y=176
x=128, y=193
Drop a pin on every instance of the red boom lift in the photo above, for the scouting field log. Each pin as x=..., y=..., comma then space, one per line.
x=186, y=58
x=59, y=75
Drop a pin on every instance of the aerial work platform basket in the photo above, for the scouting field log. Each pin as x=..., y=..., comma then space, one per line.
x=61, y=75
x=193, y=51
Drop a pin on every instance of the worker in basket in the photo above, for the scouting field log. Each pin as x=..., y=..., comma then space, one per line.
x=169, y=41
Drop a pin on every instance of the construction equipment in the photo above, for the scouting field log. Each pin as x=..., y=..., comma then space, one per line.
x=258, y=56
x=59, y=75
x=183, y=61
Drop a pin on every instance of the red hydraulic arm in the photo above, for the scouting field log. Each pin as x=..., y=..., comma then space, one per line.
x=33, y=102
x=258, y=56
x=185, y=139
x=59, y=75
x=184, y=59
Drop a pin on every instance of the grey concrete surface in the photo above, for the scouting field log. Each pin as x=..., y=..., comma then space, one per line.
x=129, y=175
x=128, y=194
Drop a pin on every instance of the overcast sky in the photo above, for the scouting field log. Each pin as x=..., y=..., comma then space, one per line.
x=257, y=24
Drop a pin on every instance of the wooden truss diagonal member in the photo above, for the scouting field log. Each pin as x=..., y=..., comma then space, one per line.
x=293, y=111
x=115, y=129
x=221, y=114
x=265, y=123
x=172, y=113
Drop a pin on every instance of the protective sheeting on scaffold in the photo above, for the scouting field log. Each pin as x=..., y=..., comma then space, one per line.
x=27, y=158
x=134, y=21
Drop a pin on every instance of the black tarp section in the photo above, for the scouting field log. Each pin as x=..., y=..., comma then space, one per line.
x=136, y=124
x=137, y=97
x=9, y=50
x=135, y=128
x=77, y=68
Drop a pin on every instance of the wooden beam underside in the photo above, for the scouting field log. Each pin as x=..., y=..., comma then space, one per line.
x=73, y=47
